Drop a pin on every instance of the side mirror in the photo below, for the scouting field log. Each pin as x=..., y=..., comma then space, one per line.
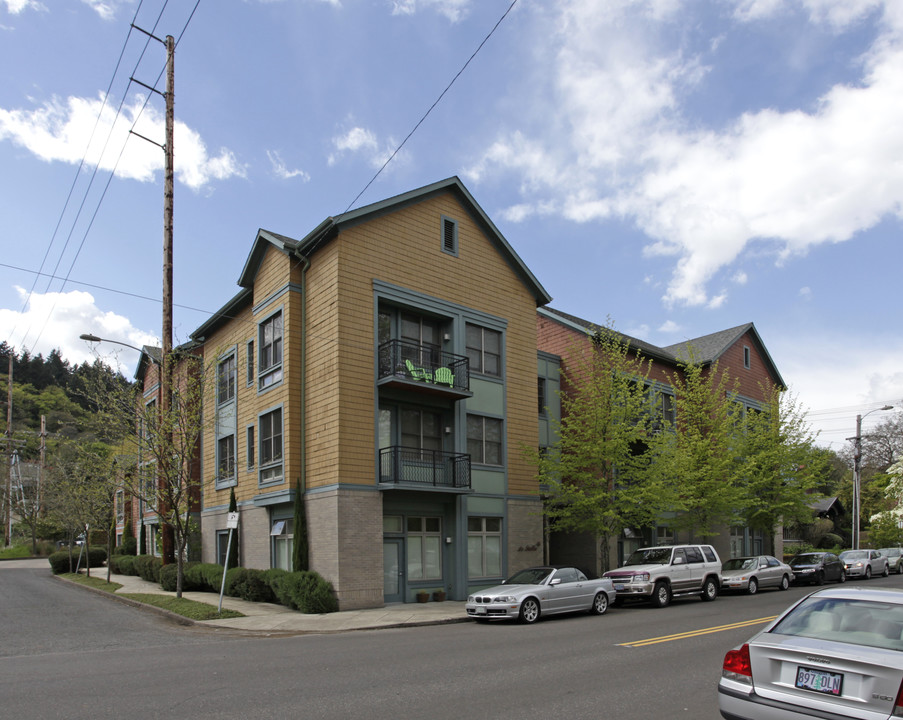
x=555, y=581
x=679, y=560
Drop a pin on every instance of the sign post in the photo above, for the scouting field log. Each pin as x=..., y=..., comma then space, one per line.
x=232, y=524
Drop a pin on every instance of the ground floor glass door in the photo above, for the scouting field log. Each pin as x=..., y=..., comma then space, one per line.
x=393, y=570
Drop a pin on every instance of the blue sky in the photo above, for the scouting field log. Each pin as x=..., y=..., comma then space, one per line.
x=679, y=167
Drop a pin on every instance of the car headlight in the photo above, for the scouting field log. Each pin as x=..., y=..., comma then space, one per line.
x=505, y=599
x=641, y=577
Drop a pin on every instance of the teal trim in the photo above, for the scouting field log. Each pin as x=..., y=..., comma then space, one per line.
x=488, y=397
x=274, y=498
x=488, y=482
x=405, y=297
x=486, y=506
x=343, y=486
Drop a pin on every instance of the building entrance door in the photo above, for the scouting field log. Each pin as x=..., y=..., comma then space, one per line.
x=393, y=570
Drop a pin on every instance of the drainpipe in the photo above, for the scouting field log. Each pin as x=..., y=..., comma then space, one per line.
x=305, y=266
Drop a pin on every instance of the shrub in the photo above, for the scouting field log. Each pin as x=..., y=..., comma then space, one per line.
x=129, y=547
x=97, y=556
x=207, y=577
x=249, y=584
x=147, y=567
x=307, y=592
x=59, y=562
x=123, y=564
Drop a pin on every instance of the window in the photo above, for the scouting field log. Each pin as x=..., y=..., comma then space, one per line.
x=120, y=507
x=484, y=350
x=271, y=447
x=250, y=446
x=225, y=380
x=225, y=457
x=484, y=547
x=484, y=440
x=222, y=546
x=541, y=387
x=283, y=536
x=271, y=351
x=421, y=430
x=424, y=548
x=449, y=236
x=249, y=380
x=422, y=339
x=746, y=360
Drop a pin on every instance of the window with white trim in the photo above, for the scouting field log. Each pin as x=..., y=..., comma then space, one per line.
x=225, y=458
x=270, y=371
x=424, y=548
x=746, y=357
x=484, y=547
x=271, y=447
x=484, y=350
x=283, y=537
x=484, y=440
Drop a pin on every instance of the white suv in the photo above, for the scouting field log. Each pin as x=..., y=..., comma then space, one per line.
x=659, y=574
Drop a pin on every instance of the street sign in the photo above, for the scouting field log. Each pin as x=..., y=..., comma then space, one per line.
x=232, y=520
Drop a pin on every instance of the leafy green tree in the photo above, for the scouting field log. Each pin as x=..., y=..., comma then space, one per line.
x=702, y=451
x=884, y=530
x=781, y=466
x=601, y=477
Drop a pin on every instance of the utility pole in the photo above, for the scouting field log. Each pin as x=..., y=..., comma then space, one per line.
x=7, y=505
x=166, y=366
x=165, y=379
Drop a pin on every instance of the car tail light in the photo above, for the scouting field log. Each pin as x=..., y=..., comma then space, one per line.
x=737, y=665
x=898, y=703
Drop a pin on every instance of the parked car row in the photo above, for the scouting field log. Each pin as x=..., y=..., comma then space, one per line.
x=660, y=574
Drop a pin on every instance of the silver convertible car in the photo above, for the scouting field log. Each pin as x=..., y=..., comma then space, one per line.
x=837, y=653
x=529, y=594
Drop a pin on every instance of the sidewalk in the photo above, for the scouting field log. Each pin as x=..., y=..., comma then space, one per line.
x=271, y=619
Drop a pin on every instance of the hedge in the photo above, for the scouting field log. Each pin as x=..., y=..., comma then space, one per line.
x=306, y=592
x=59, y=561
x=148, y=567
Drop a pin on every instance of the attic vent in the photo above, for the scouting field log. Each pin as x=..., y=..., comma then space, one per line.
x=449, y=236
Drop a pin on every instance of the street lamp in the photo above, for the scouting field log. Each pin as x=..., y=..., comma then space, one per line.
x=857, y=470
x=93, y=338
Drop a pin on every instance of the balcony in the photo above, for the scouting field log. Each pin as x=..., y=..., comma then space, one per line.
x=423, y=368
x=415, y=468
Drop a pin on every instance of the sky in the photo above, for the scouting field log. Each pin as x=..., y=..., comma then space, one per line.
x=674, y=167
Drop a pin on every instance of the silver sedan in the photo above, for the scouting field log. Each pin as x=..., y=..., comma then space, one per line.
x=537, y=591
x=752, y=573
x=836, y=653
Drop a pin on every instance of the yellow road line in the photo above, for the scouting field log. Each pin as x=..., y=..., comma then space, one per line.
x=696, y=633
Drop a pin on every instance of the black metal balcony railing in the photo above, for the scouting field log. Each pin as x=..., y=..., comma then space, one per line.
x=427, y=468
x=424, y=363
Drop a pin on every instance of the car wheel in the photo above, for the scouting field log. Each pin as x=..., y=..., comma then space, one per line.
x=820, y=577
x=753, y=586
x=529, y=611
x=785, y=583
x=661, y=595
x=709, y=590
x=899, y=568
x=843, y=577
x=600, y=604
x=868, y=572
x=886, y=571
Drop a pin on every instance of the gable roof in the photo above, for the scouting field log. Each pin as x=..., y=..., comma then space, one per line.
x=704, y=350
x=331, y=227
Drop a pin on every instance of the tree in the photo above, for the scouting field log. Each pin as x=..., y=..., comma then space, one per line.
x=701, y=451
x=157, y=462
x=300, y=560
x=781, y=466
x=885, y=530
x=601, y=478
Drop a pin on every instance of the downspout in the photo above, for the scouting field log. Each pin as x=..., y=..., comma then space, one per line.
x=305, y=266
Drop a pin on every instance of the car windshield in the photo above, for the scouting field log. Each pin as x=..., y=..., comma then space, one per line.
x=806, y=559
x=740, y=564
x=854, y=555
x=530, y=576
x=857, y=622
x=649, y=556
x=891, y=552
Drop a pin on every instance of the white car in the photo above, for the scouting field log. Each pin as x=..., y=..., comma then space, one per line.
x=529, y=594
x=864, y=563
x=837, y=653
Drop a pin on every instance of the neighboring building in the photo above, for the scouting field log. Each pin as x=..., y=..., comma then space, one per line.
x=385, y=364
x=740, y=351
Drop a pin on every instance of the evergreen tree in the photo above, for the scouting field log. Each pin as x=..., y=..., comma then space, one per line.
x=232, y=560
x=299, y=545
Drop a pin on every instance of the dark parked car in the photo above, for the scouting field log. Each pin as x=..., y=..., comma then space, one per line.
x=816, y=567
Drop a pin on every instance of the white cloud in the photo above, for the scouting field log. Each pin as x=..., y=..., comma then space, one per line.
x=60, y=130
x=281, y=170
x=454, y=10
x=613, y=140
x=669, y=326
x=55, y=320
x=805, y=293
x=363, y=142
x=14, y=7
x=106, y=8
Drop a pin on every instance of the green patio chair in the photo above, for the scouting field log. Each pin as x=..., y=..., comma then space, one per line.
x=418, y=373
x=444, y=376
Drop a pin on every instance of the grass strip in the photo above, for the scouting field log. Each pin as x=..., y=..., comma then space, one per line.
x=15, y=553
x=96, y=582
x=191, y=609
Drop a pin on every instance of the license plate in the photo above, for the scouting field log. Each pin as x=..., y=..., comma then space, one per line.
x=619, y=586
x=481, y=611
x=819, y=680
